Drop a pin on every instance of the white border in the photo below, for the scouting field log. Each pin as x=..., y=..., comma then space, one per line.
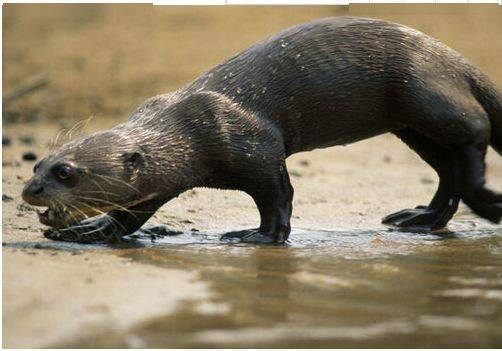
x=254, y=2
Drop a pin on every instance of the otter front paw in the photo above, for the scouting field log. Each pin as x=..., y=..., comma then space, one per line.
x=253, y=236
x=95, y=231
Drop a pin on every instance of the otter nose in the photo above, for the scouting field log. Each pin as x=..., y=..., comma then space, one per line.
x=32, y=192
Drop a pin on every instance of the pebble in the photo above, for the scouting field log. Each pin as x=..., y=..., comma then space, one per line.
x=7, y=198
x=426, y=180
x=29, y=156
x=6, y=141
x=26, y=139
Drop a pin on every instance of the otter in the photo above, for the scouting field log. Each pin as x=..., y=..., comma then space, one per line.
x=328, y=82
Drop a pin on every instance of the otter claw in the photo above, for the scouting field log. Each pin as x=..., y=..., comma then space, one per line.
x=72, y=236
x=88, y=231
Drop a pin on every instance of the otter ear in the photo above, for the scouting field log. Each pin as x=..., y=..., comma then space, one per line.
x=133, y=163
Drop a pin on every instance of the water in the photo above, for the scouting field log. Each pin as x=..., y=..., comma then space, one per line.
x=366, y=288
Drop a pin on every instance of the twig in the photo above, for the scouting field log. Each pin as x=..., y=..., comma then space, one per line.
x=33, y=84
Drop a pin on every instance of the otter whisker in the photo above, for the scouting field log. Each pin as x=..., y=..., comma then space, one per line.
x=63, y=205
x=78, y=210
x=107, y=217
x=99, y=186
x=79, y=124
x=55, y=141
x=115, y=205
x=74, y=218
x=123, y=207
x=100, y=192
x=117, y=180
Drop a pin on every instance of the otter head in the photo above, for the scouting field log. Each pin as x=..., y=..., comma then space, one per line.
x=88, y=177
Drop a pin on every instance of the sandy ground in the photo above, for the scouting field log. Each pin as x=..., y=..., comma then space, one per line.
x=103, y=61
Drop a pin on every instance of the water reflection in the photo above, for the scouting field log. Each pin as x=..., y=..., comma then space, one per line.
x=343, y=288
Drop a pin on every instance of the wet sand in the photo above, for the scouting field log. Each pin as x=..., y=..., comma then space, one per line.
x=343, y=280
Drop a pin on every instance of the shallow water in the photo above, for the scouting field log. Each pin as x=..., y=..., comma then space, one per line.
x=365, y=288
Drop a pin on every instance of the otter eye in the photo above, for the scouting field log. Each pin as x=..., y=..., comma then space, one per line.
x=62, y=172
x=66, y=174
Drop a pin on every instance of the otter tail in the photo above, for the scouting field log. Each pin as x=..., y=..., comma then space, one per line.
x=490, y=99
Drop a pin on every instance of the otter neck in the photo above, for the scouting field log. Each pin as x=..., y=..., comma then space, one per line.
x=172, y=162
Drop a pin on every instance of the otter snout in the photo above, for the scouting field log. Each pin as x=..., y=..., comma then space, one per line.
x=33, y=193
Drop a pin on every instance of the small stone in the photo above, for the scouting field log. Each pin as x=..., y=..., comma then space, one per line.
x=29, y=156
x=6, y=141
x=426, y=180
x=26, y=139
x=7, y=198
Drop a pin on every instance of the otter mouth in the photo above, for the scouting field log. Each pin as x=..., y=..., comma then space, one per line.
x=60, y=217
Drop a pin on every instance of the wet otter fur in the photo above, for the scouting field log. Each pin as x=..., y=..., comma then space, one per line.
x=320, y=84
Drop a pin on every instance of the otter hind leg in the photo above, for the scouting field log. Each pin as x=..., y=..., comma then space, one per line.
x=464, y=178
x=444, y=204
x=483, y=201
x=273, y=195
x=450, y=130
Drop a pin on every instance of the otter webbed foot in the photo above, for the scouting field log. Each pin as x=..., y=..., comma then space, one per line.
x=255, y=236
x=421, y=217
x=95, y=231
